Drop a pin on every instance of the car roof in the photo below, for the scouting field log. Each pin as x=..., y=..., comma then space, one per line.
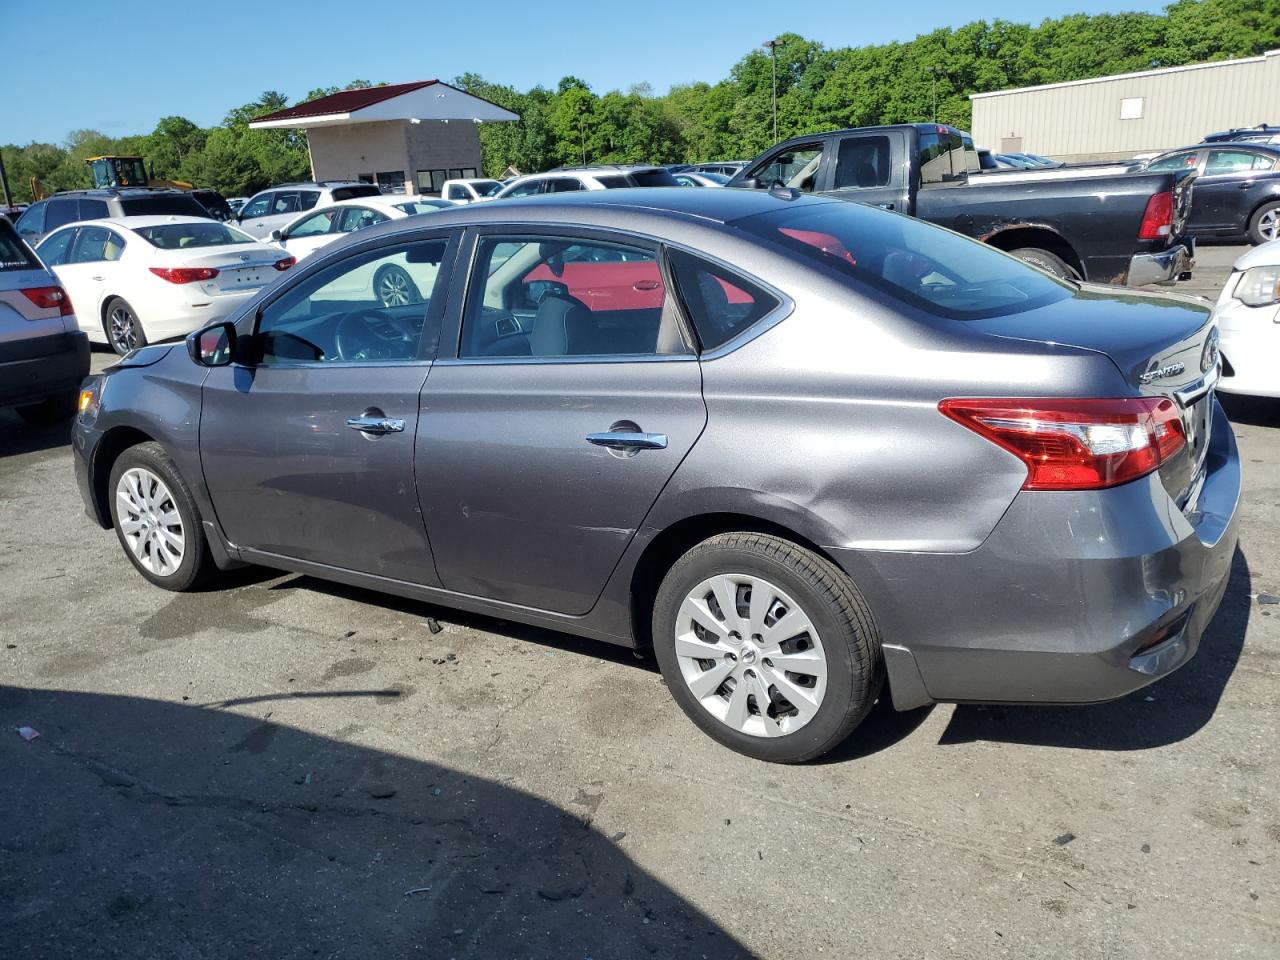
x=317, y=184
x=133, y=223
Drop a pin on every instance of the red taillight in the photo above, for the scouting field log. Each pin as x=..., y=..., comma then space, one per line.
x=286, y=263
x=1077, y=444
x=184, y=274
x=46, y=298
x=1157, y=219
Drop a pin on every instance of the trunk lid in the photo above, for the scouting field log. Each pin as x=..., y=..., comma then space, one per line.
x=240, y=267
x=1164, y=345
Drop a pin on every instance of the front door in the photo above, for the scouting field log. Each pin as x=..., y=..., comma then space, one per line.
x=569, y=404
x=308, y=444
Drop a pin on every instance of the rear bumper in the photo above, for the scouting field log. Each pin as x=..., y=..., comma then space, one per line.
x=1165, y=267
x=34, y=370
x=1061, y=601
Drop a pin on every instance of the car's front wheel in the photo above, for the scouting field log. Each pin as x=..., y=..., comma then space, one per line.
x=394, y=287
x=121, y=325
x=157, y=519
x=767, y=646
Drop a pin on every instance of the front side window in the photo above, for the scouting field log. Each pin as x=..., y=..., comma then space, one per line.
x=371, y=307
x=913, y=262
x=55, y=248
x=316, y=225
x=794, y=167
x=721, y=304
x=863, y=162
x=558, y=297
x=259, y=206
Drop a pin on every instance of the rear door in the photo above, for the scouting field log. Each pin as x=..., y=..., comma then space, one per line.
x=308, y=442
x=1222, y=192
x=870, y=168
x=541, y=450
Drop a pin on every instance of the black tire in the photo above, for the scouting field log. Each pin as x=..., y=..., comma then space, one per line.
x=117, y=339
x=50, y=411
x=1046, y=261
x=1264, y=225
x=837, y=611
x=393, y=287
x=197, y=563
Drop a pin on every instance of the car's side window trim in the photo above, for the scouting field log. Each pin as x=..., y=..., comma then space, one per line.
x=448, y=264
x=464, y=275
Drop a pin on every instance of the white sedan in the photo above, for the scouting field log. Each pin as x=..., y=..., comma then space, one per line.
x=138, y=280
x=310, y=231
x=1248, y=314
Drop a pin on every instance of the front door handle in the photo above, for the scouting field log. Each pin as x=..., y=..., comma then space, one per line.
x=376, y=425
x=628, y=440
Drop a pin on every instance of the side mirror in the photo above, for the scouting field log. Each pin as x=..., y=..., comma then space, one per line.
x=277, y=236
x=751, y=183
x=213, y=346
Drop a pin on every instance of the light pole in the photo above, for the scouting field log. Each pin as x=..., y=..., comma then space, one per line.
x=772, y=46
x=933, y=89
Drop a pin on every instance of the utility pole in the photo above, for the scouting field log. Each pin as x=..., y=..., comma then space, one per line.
x=772, y=46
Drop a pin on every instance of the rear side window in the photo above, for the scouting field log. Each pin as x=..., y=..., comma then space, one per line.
x=612, y=181
x=721, y=304
x=93, y=209
x=563, y=185
x=307, y=199
x=911, y=261
x=350, y=193
x=863, y=162
x=14, y=254
x=653, y=178
x=61, y=212
x=163, y=205
x=942, y=156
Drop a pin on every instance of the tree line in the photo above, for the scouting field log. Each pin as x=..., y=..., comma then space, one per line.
x=818, y=88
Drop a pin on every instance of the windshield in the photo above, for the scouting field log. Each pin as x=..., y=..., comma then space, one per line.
x=914, y=262
x=185, y=236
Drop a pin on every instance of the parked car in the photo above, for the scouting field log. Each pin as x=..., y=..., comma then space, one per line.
x=318, y=228
x=43, y=355
x=1237, y=192
x=602, y=177
x=12, y=213
x=678, y=167
x=1262, y=133
x=138, y=280
x=214, y=203
x=991, y=161
x=747, y=431
x=728, y=168
x=1248, y=315
x=269, y=209
x=236, y=203
x=1036, y=160
x=71, y=206
x=469, y=191
x=701, y=179
x=1105, y=224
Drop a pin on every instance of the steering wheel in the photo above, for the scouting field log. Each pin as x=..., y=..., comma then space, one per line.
x=373, y=335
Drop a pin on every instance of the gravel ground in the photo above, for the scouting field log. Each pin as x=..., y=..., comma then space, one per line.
x=289, y=768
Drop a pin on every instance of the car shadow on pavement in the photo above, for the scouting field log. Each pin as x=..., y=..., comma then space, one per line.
x=144, y=828
x=1251, y=411
x=1169, y=710
x=17, y=436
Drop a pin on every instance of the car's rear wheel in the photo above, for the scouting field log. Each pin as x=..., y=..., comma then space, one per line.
x=1046, y=261
x=120, y=324
x=767, y=646
x=157, y=520
x=394, y=287
x=1264, y=225
x=50, y=411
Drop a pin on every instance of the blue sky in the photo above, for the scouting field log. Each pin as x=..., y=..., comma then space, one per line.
x=119, y=68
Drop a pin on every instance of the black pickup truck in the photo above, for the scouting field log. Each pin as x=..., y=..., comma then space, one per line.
x=1101, y=224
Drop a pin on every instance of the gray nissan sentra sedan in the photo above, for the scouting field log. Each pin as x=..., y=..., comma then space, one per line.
x=800, y=448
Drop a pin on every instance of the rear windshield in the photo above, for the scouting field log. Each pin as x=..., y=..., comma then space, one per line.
x=14, y=254
x=350, y=193
x=654, y=178
x=177, y=204
x=912, y=261
x=186, y=236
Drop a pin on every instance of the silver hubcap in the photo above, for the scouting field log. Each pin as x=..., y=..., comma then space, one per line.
x=150, y=521
x=1269, y=224
x=124, y=334
x=393, y=290
x=750, y=655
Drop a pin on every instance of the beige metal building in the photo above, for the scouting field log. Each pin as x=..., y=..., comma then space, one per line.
x=405, y=137
x=1112, y=118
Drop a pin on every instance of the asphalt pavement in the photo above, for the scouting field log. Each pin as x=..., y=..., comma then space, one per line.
x=288, y=768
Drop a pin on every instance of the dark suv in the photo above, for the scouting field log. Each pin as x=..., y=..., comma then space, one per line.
x=72, y=206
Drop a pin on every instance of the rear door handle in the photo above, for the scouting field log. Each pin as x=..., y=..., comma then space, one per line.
x=376, y=425
x=1246, y=185
x=628, y=440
